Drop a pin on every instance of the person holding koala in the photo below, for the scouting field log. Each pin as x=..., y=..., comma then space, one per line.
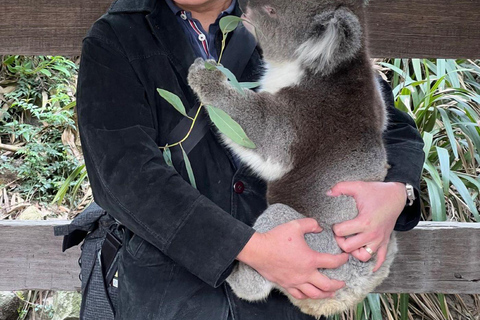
x=181, y=242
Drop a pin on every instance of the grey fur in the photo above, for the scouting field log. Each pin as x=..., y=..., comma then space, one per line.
x=319, y=124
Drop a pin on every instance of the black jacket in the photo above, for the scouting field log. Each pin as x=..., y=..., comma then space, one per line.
x=128, y=53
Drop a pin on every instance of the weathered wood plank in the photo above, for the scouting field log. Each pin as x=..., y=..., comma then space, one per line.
x=434, y=257
x=437, y=257
x=398, y=28
x=31, y=257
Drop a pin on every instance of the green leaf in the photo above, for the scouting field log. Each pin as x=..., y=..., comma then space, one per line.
x=9, y=60
x=428, y=140
x=437, y=201
x=229, y=127
x=359, y=311
x=462, y=189
x=249, y=85
x=62, y=69
x=66, y=185
x=444, y=159
x=449, y=130
x=188, y=166
x=443, y=304
x=404, y=297
x=167, y=156
x=229, y=23
x=210, y=66
x=231, y=77
x=374, y=303
x=174, y=100
x=46, y=72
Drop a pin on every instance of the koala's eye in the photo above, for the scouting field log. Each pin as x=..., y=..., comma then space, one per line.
x=270, y=10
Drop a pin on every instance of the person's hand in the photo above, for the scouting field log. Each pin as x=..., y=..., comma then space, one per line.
x=281, y=255
x=379, y=205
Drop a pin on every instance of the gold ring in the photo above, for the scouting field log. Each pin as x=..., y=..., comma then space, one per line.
x=370, y=251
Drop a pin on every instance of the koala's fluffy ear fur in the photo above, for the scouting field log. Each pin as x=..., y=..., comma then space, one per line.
x=335, y=37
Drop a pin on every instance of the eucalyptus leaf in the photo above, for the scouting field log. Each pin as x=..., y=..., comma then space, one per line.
x=229, y=127
x=231, y=77
x=167, y=156
x=188, y=166
x=250, y=85
x=174, y=100
x=229, y=23
x=210, y=66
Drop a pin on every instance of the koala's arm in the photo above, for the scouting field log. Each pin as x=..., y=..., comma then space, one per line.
x=404, y=146
x=261, y=115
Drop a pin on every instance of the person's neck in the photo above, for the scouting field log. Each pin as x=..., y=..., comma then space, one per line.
x=207, y=12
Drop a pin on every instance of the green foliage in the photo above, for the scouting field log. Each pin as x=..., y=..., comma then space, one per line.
x=36, y=110
x=443, y=97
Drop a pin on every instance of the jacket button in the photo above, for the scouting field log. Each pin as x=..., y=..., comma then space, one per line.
x=239, y=187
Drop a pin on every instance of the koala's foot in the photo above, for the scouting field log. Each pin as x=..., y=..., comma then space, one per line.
x=204, y=82
x=248, y=284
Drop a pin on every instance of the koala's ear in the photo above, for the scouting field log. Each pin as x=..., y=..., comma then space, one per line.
x=335, y=37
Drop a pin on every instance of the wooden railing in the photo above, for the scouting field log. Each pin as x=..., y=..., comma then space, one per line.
x=434, y=257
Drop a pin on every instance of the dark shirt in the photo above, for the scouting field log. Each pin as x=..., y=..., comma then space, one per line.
x=202, y=42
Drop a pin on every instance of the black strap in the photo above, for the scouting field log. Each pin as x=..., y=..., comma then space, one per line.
x=237, y=53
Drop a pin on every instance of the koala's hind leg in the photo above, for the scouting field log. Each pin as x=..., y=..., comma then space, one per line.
x=263, y=118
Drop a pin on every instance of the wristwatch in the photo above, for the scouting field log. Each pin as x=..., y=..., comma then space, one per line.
x=410, y=194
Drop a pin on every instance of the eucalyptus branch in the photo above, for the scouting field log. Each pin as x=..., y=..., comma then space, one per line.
x=194, y=120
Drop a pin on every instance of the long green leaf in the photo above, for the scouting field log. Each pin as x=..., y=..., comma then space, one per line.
x=427, y=140
x=449, y=130
x=167, y=156
x=231, y=77
x=229, y=127
x=375, y=308
x=437, y=201
x=174, y=100
x=462, y=189
x=444, y=159
x=66, y=185
x=443, y=304
x=188, y=166
x=404, y=297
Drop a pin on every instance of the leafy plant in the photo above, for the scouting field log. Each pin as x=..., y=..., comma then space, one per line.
x=36, y=116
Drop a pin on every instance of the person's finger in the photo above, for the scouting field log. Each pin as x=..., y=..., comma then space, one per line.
x=313, y=292
x=348, y=188
x=329, y=261
x=381, y=256
x=349, y=227
x=297, y=294
x=324, y=283
x=308, y=225
x=353, y=243
x=363, y=255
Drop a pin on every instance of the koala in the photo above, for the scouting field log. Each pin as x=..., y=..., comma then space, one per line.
x=317, y=120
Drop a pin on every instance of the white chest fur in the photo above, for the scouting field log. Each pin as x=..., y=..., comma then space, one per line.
x=281, y=75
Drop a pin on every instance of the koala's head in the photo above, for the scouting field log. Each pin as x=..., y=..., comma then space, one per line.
x=319, y=34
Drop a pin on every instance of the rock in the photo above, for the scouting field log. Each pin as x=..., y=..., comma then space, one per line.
x=9, y=304
x=66, y=305
x=31, y=213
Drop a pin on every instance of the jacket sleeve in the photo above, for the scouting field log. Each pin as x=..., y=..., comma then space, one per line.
x=405, y=154
x=129, y=176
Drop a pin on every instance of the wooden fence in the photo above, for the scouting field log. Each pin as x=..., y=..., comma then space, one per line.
x=434, y=257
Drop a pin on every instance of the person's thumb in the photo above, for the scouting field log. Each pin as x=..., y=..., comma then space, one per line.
x=309, y=225
x=348, y=188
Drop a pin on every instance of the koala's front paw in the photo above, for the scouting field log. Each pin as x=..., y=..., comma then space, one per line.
x=203, y=80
